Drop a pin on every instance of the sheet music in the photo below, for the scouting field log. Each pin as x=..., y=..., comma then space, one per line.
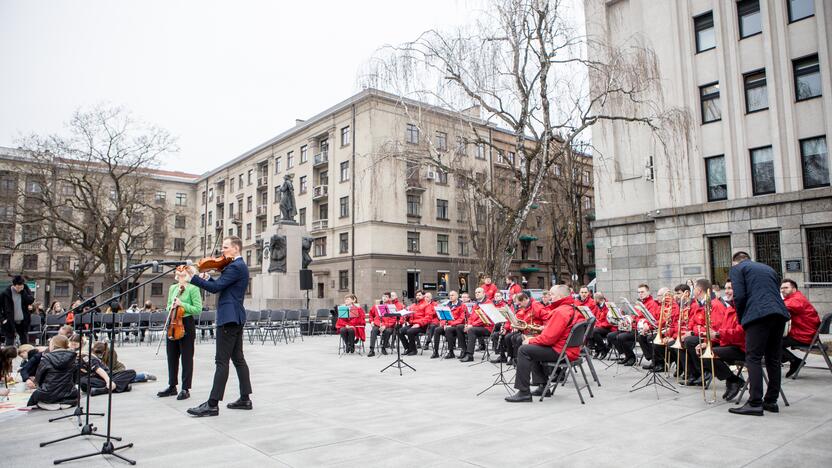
x=586, y=312
x=444, y=313
x=492, y=313
x=343, y=312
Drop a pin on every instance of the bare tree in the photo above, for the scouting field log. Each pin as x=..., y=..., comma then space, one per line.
x=90, y=192
x=522, y=68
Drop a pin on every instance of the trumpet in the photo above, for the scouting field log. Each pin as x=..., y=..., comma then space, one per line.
x=707, y=351
x=530, y=327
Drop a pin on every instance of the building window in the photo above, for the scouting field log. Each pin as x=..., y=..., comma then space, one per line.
x=587, y=203
x=556, y=170
x=480, y=151
x=705, y=35
x=5, y=261
x=181, y=199
x=344, y=171
x=230, y=184
x=179, y=222
x=720, y=258
x=343, y=280
x=756, y=91
x=807, y=77
x=815, y=160
x=762, y=170
x=501, y=159
x=800, y=9
x=750, y=18
x=178, y=244
x=277, y=161
x=248, y=231
x=709, y=101
x=240, y=182
x=413, y=242
x=715, y=177
x=156, y=289
x=62, y=263
x=441, y=141
x=302, y=185
x=767, y=250
x=539, y=249
x=345, y=136
x=819, y=247
x=442, y=244
x=414, y=205
x=441, y=177
x=412, y=134
x=30, y=262
x=290, y=157
x=344, y=207
x=202, y=220
x=248, y=258
x=344, y=242
x=461, y=211
x=319, y=246
x=62, y=289
x=323, y=211
x=304, y=155
x=462, y=245
x=442, y=209
x=302, y=216
x=249, y=204
x=511, y=155
x=204, y=197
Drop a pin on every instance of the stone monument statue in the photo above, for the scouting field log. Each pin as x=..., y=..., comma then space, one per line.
x=277, y=254
x=306, y=259
x=288, y=208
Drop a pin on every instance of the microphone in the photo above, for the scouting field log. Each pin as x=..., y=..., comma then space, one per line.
x=140, y=266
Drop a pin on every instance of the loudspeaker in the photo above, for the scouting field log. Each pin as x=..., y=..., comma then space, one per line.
x=305, y=280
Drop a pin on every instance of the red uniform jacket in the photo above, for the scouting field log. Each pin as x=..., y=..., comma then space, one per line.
x=696, y=319
x=458, y=313
x=590, y=303
x=489, y=290
x=653, y=307
x=474, y=319
x=357, y=320
x=557, y=329
x=534, y=314
x=805, y=319
x=731, y=332
x=514, y=289
x=398, y=304
x=423, y=314
x=674, y=327
x=601, y=318
x=378, y=320
x=506, y=325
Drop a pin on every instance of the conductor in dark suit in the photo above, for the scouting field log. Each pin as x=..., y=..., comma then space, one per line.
x=231, y=317
x=763, y=315
x=15, y=315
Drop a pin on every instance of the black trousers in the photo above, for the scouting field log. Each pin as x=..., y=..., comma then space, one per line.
x=730, y=354
x=693, y=367
x=788, y=355
x=598, y=338
x=438, y=333
x=472, y=335
x=183, y=349
x=385, y=337
x=512, y=342
x=348, y=337
x=495, y=337
x=429, y=331
x=21, y=329
x=646, y=343
x=530, y=370
x=659, y=351
x=624, y=342
x=122, y=380
x=410, y=337
x=457, y=333
x=764, y=340
x=230, y=346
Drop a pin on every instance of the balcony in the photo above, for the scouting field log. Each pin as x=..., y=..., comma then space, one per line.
x=262, y=210
x=262, y=182
x=414, y=183
x=220, y=200
x=236, y=218
x=319, y=192
x=219, y=225
x=319, y=225
x=320, y=159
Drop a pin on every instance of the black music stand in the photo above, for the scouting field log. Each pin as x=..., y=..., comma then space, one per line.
x=654, y=379
x=399, y=362
x=501, y=379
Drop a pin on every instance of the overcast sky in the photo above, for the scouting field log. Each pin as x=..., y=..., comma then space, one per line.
x=223, y=76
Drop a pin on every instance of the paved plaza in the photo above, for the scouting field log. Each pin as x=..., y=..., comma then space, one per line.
x=312, y=408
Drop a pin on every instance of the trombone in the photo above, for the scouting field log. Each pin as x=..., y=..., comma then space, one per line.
x=665, y=315
x=707, y=352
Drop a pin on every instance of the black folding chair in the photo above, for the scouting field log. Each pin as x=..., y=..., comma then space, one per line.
x=252, y=325
x=35, y=328
x=292, y=322
x=576, y=338
x=322, y=318
x=205, y=323
x=586, y=353
x=275, y=326
x=129, y=323
x=303, y=322
x=816, y=345
x=156, y=324
x=51, y=327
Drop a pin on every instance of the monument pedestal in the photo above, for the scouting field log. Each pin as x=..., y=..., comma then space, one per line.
x=280, y=290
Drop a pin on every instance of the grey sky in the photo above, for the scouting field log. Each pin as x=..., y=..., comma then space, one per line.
x=221, y=75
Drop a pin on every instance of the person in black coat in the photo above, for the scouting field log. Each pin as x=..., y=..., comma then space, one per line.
x=55, y=378
x=763, y=315
x=13, y=319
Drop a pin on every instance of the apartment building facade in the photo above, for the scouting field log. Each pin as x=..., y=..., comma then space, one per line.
x=753, y=171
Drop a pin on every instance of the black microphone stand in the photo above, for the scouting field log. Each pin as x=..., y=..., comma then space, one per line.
x=399, y=362
x=108, y=448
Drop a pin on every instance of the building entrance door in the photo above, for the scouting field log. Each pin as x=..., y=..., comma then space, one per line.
x=412, y=283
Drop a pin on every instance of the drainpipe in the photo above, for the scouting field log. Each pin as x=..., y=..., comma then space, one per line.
x=352, y=203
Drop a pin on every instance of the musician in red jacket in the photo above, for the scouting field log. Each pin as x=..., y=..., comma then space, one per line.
x=455, y=330
x=447, y=328
x=531, y=312
x=488, y=288
x=512, y=286
x=394, y=299
x=625, y=341
x=697, y=328
x=545, y=347
x=500, y=328
x=476, y=327
x=417, y=322
x=602, y=327
x=805, y=323
x=731, y=338
x=351, y=328
x=382, y=325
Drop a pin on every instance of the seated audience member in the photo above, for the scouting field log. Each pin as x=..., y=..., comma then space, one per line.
x=805, y=323
x=55, y=378
x=98, y=381
x=102, y=352
x=66, y=331
x=7, y=355
x=30, y=359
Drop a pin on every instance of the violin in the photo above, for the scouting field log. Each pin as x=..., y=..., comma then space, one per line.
x=176, y=327
x=213, y=263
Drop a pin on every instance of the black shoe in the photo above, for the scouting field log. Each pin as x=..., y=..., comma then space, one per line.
x=462, y=356
x=384, y=351
x=204, y=410
x=629, y=362
x=450, y=355
x=411, y=353
x=648, y=366
x=183, y=395
x=170, y=391
x=793, y=367
x=371, y=353
x=659, y=368
x=426, y=346
x=694, y=381
x=747, y=410
x=497, y=360
x=732, y=390
x=98, y=391
x=539, y=391
x=520, y=397
x=240, y=404
x=771, y=407
x=511, y=362
x=467, y=358
x=435, y=355
x=708, y=379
